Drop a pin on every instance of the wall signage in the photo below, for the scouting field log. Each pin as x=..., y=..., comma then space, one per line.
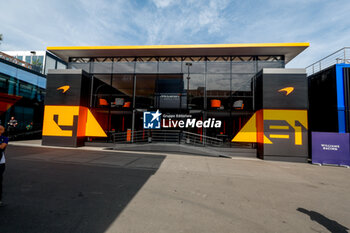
x=154, y=120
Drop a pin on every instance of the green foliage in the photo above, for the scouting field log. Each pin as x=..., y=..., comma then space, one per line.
x=36, y=62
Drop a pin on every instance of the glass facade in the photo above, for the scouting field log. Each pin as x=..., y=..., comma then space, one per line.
x=204, y=87
x=21, y=96
x=51, y=62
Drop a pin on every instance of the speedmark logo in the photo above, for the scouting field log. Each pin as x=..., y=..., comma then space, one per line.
x=64, y=88
x=287, y=90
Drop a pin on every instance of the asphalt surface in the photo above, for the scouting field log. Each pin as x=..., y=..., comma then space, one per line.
x=70, y=190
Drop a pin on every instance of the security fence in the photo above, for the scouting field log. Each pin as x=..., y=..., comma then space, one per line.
x=339, y=56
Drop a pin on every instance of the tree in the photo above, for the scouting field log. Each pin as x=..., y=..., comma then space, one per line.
x=0, y=37
x=36, y=64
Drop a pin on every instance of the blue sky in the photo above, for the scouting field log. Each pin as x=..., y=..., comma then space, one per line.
x=34, y=25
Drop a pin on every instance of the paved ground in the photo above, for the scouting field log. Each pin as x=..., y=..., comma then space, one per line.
x=71, y=190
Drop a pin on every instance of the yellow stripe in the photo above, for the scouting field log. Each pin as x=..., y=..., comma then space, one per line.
x=279, y=127
x=301, y=44
x=279, y=136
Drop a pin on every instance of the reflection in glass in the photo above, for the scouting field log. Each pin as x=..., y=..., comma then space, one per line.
x=170, y=67
x=197, y=67
x=215, y=67
x=195, y=90
x=270, y=64
x=241, y=67
x=72, y=65
x=218, y=83
x=146, y=67
x=102, y=67
x=123, y=67
x=242, y=82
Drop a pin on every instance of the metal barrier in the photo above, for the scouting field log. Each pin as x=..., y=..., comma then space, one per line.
x=15, y=60
x=339, y=56
x=171, y=136
x=198, y=139
x=24, y=135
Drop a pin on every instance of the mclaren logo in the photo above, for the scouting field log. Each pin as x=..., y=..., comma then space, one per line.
x=286, y=90
x=64, y=88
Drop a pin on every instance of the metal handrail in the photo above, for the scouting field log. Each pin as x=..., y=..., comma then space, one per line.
x=174, y=136
x=15, y=60
x=208, y=137
x=339, y=56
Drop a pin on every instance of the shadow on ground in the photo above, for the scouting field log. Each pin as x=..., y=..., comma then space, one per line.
x=332, y=225
x=44, y=196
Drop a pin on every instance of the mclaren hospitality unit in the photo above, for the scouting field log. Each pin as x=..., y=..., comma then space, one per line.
x=226, y=95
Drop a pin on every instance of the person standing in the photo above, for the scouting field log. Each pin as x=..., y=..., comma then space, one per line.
x=3, y=144
x=11, y=125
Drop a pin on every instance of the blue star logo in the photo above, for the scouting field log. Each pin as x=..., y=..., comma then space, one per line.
x=151, y=120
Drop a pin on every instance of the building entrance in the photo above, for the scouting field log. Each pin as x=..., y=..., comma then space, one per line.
x=200, y=88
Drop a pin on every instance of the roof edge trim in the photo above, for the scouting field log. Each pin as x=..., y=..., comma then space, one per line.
x=193, y=46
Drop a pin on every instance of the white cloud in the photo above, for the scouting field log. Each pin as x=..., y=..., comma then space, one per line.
x=162, y=3
x=31, y=26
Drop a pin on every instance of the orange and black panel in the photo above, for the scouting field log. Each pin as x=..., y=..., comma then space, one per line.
x=67, y=118
x=281, y=89
x=68, y=87
x=279, y=127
